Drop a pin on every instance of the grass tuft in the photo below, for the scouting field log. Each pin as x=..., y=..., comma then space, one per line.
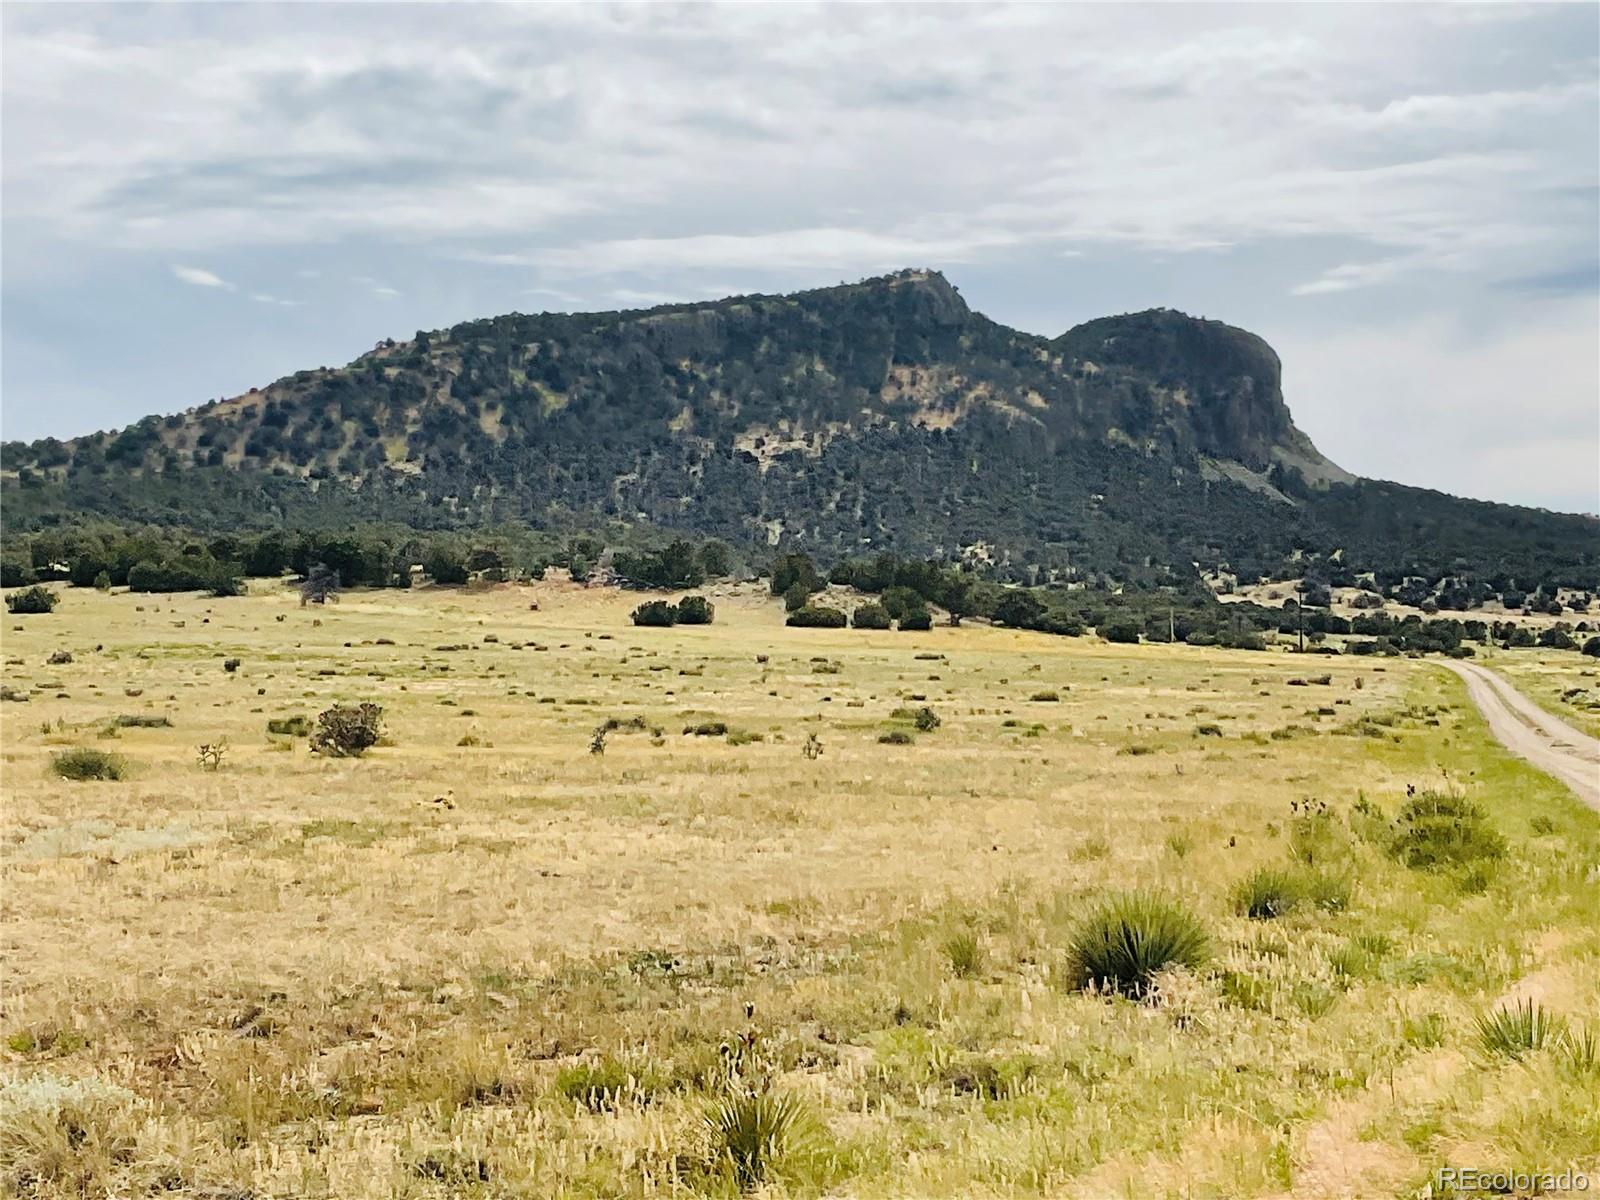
x=1123, y=944
x=1266, y=894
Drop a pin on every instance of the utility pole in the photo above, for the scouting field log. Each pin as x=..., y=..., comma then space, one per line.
x=1301, y=605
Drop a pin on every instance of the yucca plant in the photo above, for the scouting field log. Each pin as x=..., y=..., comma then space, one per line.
x=1580, y=1050
x=1518, y=1029
x=1130, y=937
x=1265, y=894
x=751, y=1132
x=965, y=953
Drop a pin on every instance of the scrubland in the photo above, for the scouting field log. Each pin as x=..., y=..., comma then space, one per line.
x=484, y=960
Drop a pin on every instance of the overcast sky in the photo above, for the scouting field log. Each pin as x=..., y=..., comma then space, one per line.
x=1405, y=201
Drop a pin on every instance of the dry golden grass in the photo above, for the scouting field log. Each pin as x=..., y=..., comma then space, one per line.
x=516, y=968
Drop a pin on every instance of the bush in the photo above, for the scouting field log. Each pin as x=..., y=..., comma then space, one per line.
x=926, y=720
x=656, y=613
x=870, y=616
x=289, y=726
x=596, y=1086
x=347, y=730
x=1442, y=829
x=82, y=763
x=1266, y=894
x=1123, y=944
x=1125, y=632
x=142, y=721
x=33, y=600
x=751, y=1131
x=916, y=620
x=816, y=616
x=1519, y=1029
x=695, y=610
x=895, y=737
x=1329, y=892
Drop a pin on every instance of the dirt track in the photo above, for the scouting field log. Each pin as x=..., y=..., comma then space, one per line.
x=1525, y=729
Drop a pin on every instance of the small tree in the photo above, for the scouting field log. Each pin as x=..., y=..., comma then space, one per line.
x=445, y=564
x=817, y=616
x=696, y=610
x=321, y=584
x=656, y=613
x=1019, y=609
x=347, y=730
x=33, y=600
x=870, y=616
x=958, y=599
x=795, y=596
x=915, y=620
x=1125, y=632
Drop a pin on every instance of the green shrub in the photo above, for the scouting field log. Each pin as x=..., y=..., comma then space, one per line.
x=596, y=1086
x=916, y=620
x=1123, y=944
x=696, y=610
x=82, y=763
x=1327, y=891
x=1518, y=1029
x=656, y=613
x=1125, y=632
x=32, y=600
x=1266, y=894
x=870, y=616
x=707, y=729
x=752, y=1131
x=1045, y=697
x=142, y=721
x=896, y=737
x=926, y=720
x=1443, y=829
x=347, y=730
x=296, y=726
x=817, y=616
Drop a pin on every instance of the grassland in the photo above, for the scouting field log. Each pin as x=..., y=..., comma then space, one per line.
x=1562, y=683
x=483, y=961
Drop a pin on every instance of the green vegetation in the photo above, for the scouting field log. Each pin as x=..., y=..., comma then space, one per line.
x=347, y=730
x=83, y=763
x=553, y=418
x=1128, y=939
x=32, y=600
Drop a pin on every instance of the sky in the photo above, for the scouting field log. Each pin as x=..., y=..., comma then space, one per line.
x=1403, y=200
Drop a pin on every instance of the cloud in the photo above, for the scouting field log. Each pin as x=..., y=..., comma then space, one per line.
x=1381, y=164
x=200, y=277
x=1495, y=414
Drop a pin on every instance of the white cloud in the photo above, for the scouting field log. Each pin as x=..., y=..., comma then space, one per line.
x=1495, y=414
x=200, y=277
x=1374, y=157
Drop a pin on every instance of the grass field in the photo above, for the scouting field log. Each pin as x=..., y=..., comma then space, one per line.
x=1565, y=684
x=481, y=960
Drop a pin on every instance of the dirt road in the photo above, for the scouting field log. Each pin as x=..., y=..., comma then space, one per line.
x=1525, y=729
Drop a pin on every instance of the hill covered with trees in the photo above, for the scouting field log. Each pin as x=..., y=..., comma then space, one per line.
x=884, y=415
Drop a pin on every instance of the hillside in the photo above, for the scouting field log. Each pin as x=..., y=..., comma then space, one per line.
x=878, y=415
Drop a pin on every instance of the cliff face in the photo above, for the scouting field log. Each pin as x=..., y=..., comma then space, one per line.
x=884, y=413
